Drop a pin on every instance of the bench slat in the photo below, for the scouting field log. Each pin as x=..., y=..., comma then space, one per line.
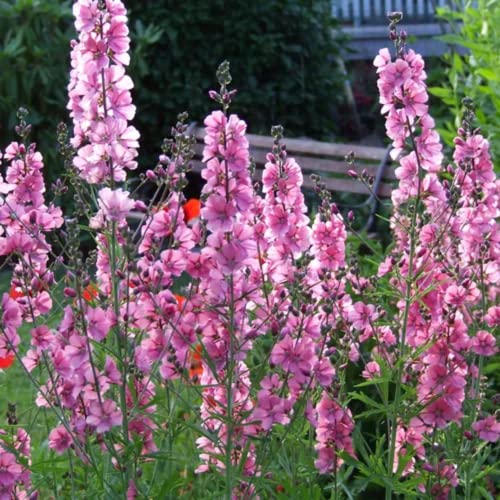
x=319, y=165
x=310, y=147
x=341, y=185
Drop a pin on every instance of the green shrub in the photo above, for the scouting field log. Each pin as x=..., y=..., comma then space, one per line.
x=282, y=55
x=475, y=74
x=34, y=37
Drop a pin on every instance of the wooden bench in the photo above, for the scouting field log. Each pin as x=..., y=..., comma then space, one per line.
x=325, y=159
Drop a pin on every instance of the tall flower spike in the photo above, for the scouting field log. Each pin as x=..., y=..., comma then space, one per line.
x=99, y=93
x=24, y=222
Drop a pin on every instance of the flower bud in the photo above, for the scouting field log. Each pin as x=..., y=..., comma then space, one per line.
x=395, y=17
x=140, y=206
x=215, y=96
x=70, y=292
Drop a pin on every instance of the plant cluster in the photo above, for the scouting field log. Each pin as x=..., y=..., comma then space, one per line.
x=236, y=318
x=473, y=69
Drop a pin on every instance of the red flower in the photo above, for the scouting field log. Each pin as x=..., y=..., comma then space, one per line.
x=196, y=368
x=180, y=301
x=7, y=361
x=15, y=293
x=90, y=293
x=191, y=209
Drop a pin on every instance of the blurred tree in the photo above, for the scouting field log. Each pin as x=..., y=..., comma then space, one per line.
x=34, y=59
x=282, y=54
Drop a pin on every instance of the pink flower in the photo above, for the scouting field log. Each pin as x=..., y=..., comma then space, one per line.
x=414, y=99
x=10, y=470
x=396, y=73
x=492, y=317
x=382, y=59
x=439, y=413
x=333, y=433
x=362, y=315
x=115, y=204
x=271, y=409
x=60, y=439
x=295, y=356
x=371, y=370
x=42, y=337
x=104, y=416
x=488, y=429
x=98, y=322
x=219, y=213
x=484, y=343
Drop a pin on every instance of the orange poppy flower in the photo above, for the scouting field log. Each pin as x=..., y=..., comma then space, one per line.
x=7, y=361
x=196, y=368
x=15, y=293
x=90, y=292
x=191, y=209
x=180, y=301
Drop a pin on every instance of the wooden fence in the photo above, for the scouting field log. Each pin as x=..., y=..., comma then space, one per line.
x=374, y=12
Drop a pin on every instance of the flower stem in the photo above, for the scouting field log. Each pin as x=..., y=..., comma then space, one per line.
x=402, y=339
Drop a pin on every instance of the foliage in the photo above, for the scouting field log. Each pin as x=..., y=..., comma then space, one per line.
x=282, y=53
x=34, y=37
x=473, y=71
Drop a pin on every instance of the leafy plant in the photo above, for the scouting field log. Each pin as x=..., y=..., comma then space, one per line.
x=282, y=53
x=34, y=38
x=473, y=72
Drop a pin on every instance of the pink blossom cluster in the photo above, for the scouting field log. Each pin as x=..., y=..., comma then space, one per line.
x=334, y=433
x=15, y=476
x=404, y=97
x=168, y=326
x=24, y=221
x=301, y=319
x=228, y=284
x=452, y=257
x=99, y=92
x=76, y=386
x=263, y=278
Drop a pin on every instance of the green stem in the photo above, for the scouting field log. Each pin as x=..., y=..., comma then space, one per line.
x=406, y=313
x=121, y=340
x=229, y=387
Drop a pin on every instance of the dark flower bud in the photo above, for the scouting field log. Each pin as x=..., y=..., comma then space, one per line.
x=395, y=16
x=70, y=292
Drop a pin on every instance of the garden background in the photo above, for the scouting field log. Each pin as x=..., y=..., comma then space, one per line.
x=284, y=60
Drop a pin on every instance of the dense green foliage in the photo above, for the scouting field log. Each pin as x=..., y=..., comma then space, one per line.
x=34, y=36
x=282, y=55
x=475, y=74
